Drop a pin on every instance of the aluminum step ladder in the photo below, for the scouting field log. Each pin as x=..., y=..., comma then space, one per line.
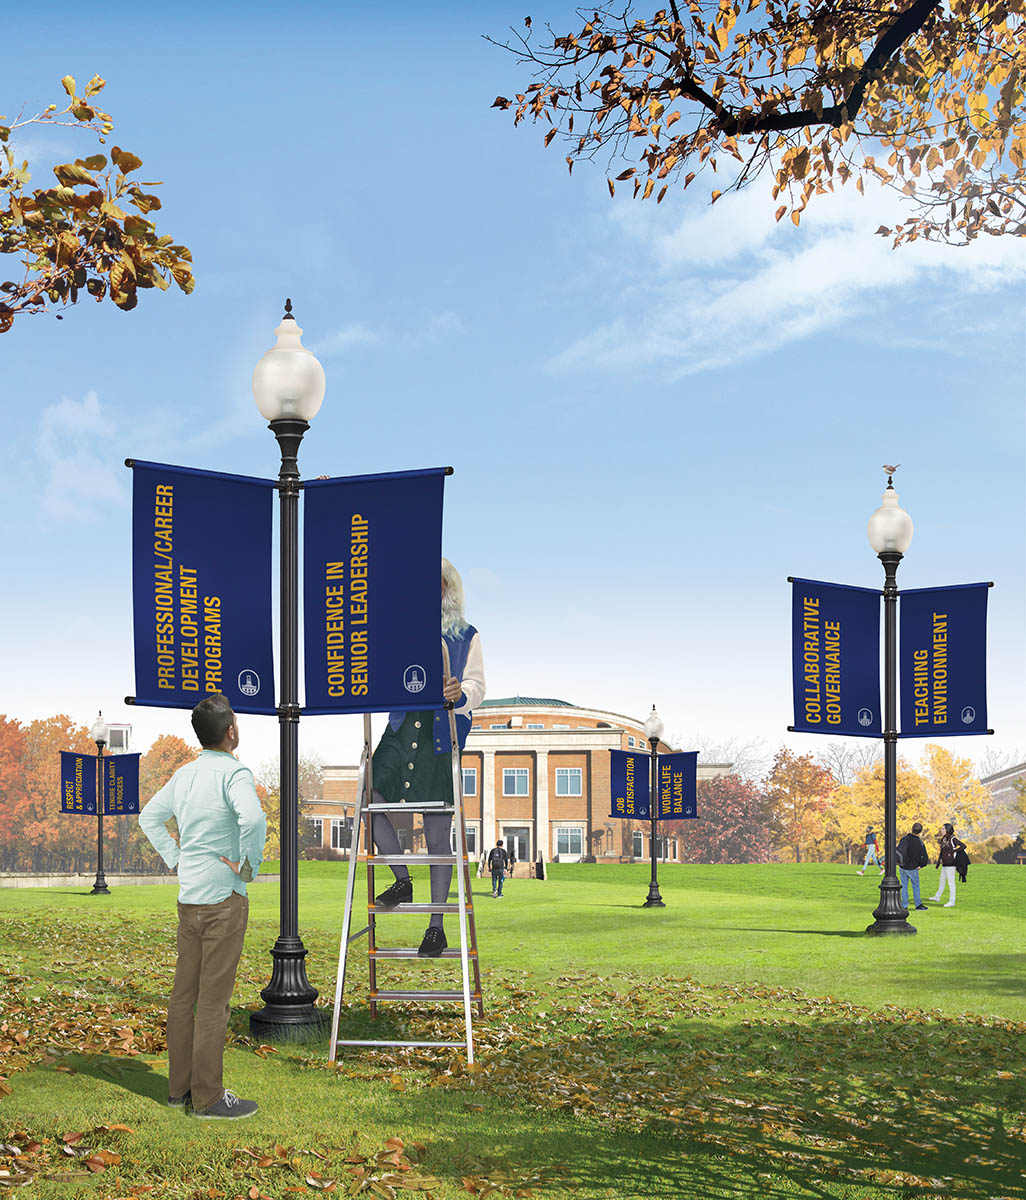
x=467, y=952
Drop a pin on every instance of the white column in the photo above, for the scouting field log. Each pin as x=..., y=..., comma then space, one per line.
x=541, y=805
x=488, y=834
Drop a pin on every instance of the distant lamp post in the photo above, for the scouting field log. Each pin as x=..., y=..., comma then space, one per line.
x=288, y=386
x=101, y=736
x=653, y=731
x=890, y=533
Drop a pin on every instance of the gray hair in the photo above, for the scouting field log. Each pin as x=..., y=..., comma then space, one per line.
x=453, y=620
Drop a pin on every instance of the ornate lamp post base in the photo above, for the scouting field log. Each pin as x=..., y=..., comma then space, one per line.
x=654, y=900
x=890, y=915
x=100, y=887
x=290, y=1014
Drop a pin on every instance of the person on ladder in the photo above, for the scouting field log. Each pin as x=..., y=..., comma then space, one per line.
x=413, y=761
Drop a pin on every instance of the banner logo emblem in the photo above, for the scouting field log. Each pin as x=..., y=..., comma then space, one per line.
x=414, y=679
x=865, y=716
x=968, y=715
x=249, y=683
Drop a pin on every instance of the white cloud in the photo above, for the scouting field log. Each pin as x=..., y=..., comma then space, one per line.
x=356, y=333
x=437, y=328
x=74, y=443
x=728, y=283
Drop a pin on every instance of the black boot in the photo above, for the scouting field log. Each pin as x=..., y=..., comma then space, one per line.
x=401, y=892
x=433, y=944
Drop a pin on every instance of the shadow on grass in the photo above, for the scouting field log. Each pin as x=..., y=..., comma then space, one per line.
x=888, y=1104
x=132, y=1074
x=845, y=933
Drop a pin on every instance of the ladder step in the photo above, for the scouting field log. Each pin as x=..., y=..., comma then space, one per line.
x=368, y=1042
x=420, y=995
x=418, y=908
x=411, y=952
x=409, y=806
x=389, y=860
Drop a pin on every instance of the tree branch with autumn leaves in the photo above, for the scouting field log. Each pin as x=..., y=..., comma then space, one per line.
x=814, y=91
x=72, y=239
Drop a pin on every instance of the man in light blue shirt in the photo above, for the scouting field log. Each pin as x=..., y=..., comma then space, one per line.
x=220, y=844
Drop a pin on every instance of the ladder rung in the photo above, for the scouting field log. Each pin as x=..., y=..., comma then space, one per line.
x=410, y=806
x=418, y=908
x=411, y=952
x=389, y=860
x=368, y=1042
x=421, y=995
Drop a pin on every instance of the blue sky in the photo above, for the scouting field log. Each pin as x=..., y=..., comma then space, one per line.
x=655, y=414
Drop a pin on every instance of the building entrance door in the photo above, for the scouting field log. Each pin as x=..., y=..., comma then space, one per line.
x=517, y=839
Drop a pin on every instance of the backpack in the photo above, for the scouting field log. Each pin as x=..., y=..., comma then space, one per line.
x=899, y=852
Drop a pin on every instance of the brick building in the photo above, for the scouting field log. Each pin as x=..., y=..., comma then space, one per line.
x=535, y=773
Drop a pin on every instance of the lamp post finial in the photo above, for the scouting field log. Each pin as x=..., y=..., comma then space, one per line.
x=288, y=311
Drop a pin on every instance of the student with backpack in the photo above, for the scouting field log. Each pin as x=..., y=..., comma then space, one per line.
x=949, y=847
x=911, y=855
x=497, y=860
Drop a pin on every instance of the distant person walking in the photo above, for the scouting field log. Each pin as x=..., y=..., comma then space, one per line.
x=497, y=860
x=221, y=832
x=949, y=847
x=871, y=854
x=512, y=857
x=911, y=854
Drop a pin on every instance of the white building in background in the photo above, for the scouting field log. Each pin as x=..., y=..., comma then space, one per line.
x=536, y=774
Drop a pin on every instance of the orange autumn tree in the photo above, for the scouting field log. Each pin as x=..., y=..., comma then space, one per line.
x=12, y=790
x=49, y=840
x=797, y=790
x=923, y=96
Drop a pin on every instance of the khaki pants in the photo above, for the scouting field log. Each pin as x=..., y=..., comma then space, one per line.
x=210, y=938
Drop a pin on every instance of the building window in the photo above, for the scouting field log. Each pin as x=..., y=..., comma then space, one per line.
x=560, y=726
x=471, y=828
x=317, y=828
x=569, y=840
x=568, y=781
x=637, y=844
x=514, y=781
x=535, y=727
x=470, y=781
x=505, y=725
x=630, y=742
x=117, y=738
x=341, y=832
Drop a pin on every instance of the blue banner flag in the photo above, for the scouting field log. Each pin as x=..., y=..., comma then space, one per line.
x=78, y=783
x=835, y=657
x=120, y=784
x=201, y=584
x=678, y=774
x=628, y=784
x=943, y=660
x=372, y=561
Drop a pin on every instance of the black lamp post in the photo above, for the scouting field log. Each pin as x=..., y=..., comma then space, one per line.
x=890, y=533
x=288, y=386
x=653, y=731
x=100, y=735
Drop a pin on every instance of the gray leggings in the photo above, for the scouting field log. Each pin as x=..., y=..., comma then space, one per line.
x=437, y=835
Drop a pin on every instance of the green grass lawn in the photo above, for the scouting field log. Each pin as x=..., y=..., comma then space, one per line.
x=744, y=1041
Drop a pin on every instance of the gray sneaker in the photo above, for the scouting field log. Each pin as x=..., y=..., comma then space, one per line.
x=229, y=1107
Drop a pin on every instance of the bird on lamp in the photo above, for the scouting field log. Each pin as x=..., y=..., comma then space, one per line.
x=890, y=471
